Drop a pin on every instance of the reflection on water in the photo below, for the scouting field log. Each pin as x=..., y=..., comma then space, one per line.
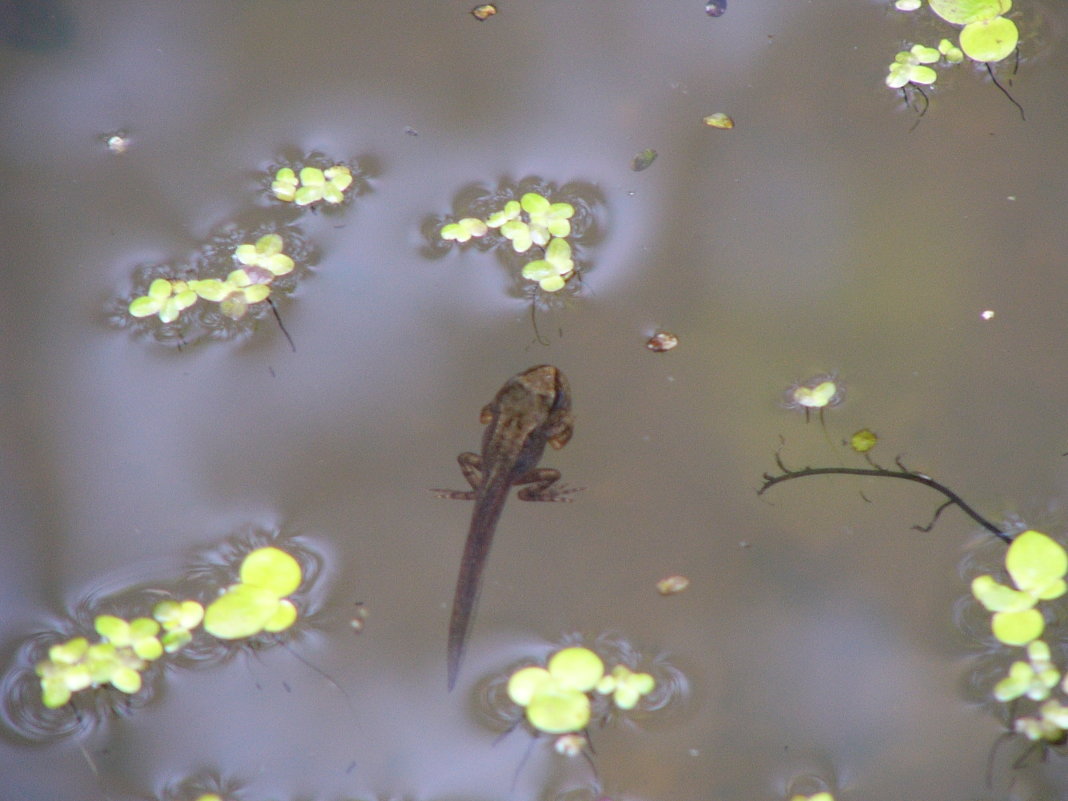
x=817, y=232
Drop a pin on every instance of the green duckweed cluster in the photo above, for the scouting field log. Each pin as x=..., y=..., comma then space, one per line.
x=261, y=262
x=258, y=602
x=986, y=36
x=126, y=648
x=235, y=278
x=556, y=699
x=1037, y=565
x=528, y=222
x=312, y=184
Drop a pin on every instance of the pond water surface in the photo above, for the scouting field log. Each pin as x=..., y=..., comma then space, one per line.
x=820, y=636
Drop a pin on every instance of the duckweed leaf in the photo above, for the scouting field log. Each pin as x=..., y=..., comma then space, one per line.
x=525, y=682
x=552, y=283
x=126, y=679
x=210, y=289
x=510, y=211
x=285, y=615
x=273, y=570
x=1037, y=565
x=952, y=53
x=556, y=710
x=242, y=611
x=70, y=652
x=989, y=40
x=1018, y=628
x=178, y=614
x=534, y=204
x=285, y=184
x=1016, y=683
x=625, y=686
x=54, y=693
x=963, y=12
x=175, y=640
x=925, y=55
x=519, y=233
x=576, y=669
x=816, y=397
x=999, y=598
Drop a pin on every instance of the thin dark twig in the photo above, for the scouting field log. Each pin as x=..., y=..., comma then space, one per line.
x=934, y=517
x=534, y=322
x=1005, y=91
x=522, y=762
x=902, y=473
x=325, y=675
x=281, y=325
x=920, y=112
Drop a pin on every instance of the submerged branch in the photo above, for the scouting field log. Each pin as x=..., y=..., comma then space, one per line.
x=952, y=499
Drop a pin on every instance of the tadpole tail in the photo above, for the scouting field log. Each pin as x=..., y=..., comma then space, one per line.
x=469, y=582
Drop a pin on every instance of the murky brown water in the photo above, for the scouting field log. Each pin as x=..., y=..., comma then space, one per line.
x=818, y=234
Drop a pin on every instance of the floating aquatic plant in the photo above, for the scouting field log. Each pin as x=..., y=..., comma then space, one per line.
x=824, y=391
x=965, y=12
x=266, y=255
x=816, y=393
x=531, y=221
x=949, y=51
x=557, y=698
x=987, y=37
x=258, y=602
x=126, y=647
x=625, y=686
x=263, y=262
x=198, y=301
x=124, y=650
x=1037, y=565
x=312, y=184
x=463, y=230
x=178, y=619
x=241, y=291
x=167, y=298
x=260, y=263
x=1034, y=678
x=551, y=272
x=910, y=67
